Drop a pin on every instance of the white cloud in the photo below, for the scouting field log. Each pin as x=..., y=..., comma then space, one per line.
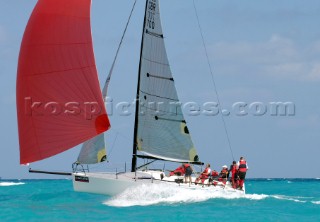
x=277, y=57
x=315, y=72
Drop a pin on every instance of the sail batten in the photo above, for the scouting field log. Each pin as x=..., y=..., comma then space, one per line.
x=152, y=156
x=59, y=102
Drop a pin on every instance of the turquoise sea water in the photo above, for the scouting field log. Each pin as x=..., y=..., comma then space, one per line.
x=55, y=200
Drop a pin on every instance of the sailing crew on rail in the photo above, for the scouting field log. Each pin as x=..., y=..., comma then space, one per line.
x=242, y=171
x=223, y=175
x=204, y=175
x=180, y=171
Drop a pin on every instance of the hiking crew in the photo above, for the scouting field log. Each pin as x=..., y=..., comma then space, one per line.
x=204, y=175
x=238, y=174
x=223, y=176
x=180, y=171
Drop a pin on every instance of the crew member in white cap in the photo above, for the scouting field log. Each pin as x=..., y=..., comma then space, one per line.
x=223, y=176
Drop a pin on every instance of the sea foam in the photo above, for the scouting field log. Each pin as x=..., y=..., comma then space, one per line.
x=7, y=184
x=151, y=194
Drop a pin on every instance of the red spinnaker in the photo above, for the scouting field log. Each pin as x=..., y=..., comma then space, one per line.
x=59, y=101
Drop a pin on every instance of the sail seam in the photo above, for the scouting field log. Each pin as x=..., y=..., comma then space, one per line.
x=62, y=70
x=162, y=111
x=160, y=63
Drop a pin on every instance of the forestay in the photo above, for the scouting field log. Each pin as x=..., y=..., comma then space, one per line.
x=94, y=150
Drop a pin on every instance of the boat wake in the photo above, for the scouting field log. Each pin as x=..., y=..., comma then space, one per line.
x=295, y=199
x=7, y=184
x=162, y=194
x=151, y=194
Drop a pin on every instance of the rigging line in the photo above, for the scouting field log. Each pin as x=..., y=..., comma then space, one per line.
x=112, y=146
x=105, y=88
x=212, y=78
x=120, y=134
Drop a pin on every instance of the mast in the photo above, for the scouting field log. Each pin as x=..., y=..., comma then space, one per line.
x=135, y=133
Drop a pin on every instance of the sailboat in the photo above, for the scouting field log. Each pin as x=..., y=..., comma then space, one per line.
x=60, y=104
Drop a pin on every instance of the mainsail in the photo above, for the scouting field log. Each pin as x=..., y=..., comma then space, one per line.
x=161, y=130
x=59, y=102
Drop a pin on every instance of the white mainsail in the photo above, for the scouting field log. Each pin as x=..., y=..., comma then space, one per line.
x=162, y=131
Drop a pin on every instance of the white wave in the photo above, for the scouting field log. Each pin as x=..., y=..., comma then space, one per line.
x=7, y=184
x=159, y=193
x=282, y=197
x=315, y=202
x=255, y=196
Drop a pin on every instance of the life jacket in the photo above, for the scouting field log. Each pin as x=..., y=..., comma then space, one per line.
x=233, y=169
x=214, y=173
x=179, y=171
x=243, y=166
x=205, y=172
x=223, y=173
x=188, y=169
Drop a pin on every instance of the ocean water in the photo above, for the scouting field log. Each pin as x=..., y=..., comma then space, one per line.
x=266, y=200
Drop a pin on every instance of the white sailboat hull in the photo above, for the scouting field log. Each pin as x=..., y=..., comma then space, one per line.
x=100, y=183
x=113, y=184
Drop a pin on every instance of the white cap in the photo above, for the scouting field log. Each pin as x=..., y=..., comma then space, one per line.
x=224, y=166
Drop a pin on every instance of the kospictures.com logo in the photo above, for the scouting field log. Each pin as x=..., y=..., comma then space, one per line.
x=52, y=108
x=91, y=108
x=195, y=109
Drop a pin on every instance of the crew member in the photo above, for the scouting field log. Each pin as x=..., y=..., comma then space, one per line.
x=223, y=175
x=188, y=171
x=234, y=176
x=204, y=175
x=242, y=170
x=180, y=171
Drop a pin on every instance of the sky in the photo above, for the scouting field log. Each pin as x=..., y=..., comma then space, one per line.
x=260, y=52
